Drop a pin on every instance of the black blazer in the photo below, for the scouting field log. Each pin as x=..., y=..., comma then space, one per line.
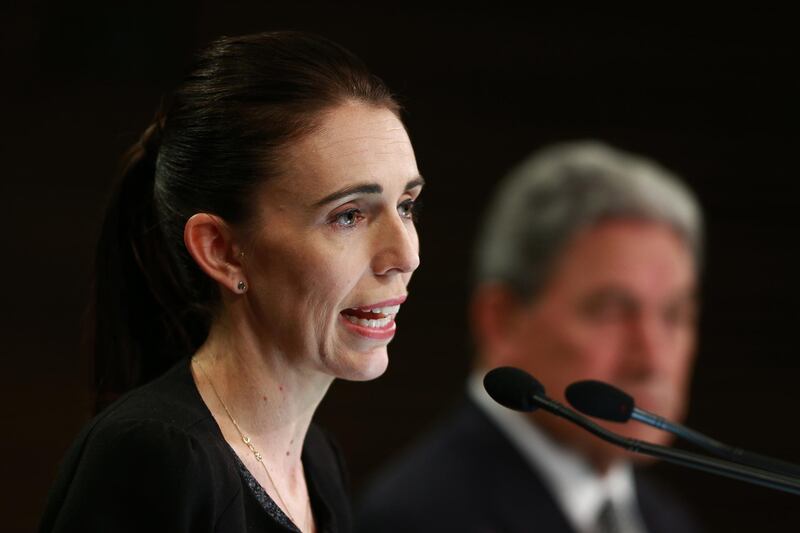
x=468, y=477
x=156, y=461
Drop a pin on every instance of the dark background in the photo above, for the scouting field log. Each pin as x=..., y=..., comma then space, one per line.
x=710, y=95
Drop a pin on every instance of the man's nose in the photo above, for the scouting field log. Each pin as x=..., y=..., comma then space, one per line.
x=646, y=344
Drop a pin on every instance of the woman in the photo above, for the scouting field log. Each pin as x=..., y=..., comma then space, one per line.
x=262, y=236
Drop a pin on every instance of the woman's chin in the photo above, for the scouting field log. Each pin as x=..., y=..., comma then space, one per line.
x=365, y=366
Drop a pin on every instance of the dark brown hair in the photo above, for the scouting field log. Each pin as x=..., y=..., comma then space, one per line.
x=221, y=134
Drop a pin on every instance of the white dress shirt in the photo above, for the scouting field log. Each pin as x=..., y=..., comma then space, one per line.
x=572, y=481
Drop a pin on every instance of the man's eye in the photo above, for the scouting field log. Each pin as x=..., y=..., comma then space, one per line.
x=608, y=312
x=685, y=314
x=607, y=308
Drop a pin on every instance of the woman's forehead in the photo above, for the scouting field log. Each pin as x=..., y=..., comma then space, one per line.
x=355, y=144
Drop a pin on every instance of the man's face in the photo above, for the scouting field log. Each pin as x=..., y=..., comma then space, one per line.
x=619, y=307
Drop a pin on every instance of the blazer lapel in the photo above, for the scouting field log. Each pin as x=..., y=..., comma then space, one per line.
x=521, y=501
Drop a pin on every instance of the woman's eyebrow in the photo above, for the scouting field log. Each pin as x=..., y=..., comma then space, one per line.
x=364, y=188
x=416, y=182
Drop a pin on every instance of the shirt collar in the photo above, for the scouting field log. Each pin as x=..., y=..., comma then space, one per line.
x=577, y=487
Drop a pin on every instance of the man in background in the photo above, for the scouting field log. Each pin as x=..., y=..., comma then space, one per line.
x=586, y=268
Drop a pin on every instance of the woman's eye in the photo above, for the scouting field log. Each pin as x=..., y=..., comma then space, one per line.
x=349, y=218
x=408, y=209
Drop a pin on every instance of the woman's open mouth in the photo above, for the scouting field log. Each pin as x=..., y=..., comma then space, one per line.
x=374, y=322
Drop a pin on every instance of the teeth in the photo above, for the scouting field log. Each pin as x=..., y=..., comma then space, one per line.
x=390, y=310
x=378, y=323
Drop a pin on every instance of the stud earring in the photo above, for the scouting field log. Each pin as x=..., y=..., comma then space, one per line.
x=242, y=286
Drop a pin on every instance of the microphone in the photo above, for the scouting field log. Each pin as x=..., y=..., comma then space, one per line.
x=513, y=388
x=604, y=401
x=516, y=389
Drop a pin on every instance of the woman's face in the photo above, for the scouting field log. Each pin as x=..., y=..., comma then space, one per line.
x=335, y=244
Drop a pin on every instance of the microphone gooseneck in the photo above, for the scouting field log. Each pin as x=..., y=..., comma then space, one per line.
x=520, y=398
x=604, y=401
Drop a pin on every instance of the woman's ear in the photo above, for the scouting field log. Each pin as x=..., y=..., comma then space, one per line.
x=212, y=245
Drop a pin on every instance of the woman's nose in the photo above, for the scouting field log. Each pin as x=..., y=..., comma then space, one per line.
x=397, y=247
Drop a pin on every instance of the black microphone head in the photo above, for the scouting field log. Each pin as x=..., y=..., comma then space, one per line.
x=600, y=400
x=512, y=388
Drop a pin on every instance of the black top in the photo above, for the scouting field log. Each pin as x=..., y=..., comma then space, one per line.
x=466, y=476
x=156, y=461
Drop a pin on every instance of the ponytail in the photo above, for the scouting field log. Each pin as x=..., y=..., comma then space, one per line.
x=137, y=327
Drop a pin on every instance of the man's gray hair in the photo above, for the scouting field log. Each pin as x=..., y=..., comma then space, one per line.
x=545, y=201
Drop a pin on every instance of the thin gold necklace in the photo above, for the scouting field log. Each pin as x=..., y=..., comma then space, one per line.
x=249, y=443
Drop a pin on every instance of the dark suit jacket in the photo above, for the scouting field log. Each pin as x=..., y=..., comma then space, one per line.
x=155, y=460
x=467, y=477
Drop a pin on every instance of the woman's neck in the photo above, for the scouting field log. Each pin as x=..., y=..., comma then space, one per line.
x=269, y=394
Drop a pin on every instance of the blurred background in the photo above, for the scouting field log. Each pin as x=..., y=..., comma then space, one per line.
x=712, y=96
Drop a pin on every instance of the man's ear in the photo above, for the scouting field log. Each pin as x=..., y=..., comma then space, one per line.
x=211, y=243
x=494, y=313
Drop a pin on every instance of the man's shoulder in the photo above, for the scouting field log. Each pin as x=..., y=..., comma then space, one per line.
x=661, y=508
x=451, y=474
x=445, y=452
